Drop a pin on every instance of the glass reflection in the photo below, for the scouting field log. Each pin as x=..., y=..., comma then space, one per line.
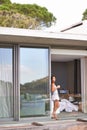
x=34, y=88
x=6, y=87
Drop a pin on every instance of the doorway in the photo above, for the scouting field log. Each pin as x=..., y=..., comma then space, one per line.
x=66, y=66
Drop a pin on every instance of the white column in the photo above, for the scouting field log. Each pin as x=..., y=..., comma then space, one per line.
x=84, y=83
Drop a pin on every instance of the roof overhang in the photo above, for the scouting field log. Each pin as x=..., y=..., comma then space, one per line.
x=22, y=36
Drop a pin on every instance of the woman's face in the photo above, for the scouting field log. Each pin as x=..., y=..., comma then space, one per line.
x=54, y=79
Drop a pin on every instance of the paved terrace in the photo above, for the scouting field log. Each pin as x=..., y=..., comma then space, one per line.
x=44, y=123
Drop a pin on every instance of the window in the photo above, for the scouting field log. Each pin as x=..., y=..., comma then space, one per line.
x=34, y=86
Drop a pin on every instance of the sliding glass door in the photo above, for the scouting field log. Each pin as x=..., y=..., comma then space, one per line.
x=34, y=86
x=6, y=86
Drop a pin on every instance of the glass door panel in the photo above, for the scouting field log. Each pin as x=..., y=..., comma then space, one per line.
x=6, y=86
x=34, y=86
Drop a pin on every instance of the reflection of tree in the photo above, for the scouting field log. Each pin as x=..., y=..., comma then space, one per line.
x=39, y=86
x=3, y=83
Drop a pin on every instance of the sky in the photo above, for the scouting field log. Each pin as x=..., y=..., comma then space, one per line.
x=67, y=12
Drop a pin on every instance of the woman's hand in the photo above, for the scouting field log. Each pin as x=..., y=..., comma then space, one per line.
x=58, y=86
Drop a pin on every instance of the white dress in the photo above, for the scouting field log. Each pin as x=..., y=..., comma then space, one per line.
x=55, y=95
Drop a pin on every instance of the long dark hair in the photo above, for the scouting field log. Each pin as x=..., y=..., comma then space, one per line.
x=52, y=77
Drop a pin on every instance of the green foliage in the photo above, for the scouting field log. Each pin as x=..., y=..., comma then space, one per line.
x=40, y=15
x=21, y=21
x=85, y=15
x=5, y=1
x=4, y=7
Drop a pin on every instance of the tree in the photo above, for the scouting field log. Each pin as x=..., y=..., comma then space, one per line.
x=25, y=15
x=84, y=15
x=5, y=2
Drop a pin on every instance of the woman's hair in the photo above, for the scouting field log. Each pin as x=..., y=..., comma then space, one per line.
x=52, y=77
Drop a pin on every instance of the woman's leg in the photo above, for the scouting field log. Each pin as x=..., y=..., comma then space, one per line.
x=53, y=110
x=56, y=106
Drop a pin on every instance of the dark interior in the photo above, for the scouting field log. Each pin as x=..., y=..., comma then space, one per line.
x=68, y=75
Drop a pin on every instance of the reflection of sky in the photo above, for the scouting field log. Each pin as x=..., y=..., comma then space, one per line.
x=34, y=64
x=6, y=64
x=5, y=56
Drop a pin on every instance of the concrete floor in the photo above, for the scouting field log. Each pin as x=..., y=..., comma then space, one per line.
x=53, y=125
x=67, y=121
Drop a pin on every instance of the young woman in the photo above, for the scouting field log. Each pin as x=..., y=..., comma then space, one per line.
x=55, y=97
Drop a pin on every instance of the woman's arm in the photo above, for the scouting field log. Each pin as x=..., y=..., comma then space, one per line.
x=53, y=88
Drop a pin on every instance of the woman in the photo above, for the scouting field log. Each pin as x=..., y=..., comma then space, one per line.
x=55, y=97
